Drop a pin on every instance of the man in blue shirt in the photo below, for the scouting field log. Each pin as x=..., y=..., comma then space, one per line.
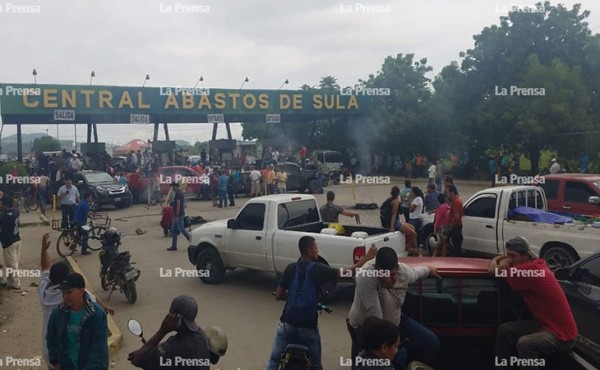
x=584, y=162
x=81, y=216
x=223, y=181
x=431, y=202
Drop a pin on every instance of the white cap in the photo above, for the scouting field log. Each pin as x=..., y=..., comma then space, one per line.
x=553, y=160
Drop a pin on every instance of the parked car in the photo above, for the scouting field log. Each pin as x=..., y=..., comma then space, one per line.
x=465, y=308
x=265, y=233
x=581, y=284
x=487, y=227
x=299, y=179
x=577, y=193
x=104, y=189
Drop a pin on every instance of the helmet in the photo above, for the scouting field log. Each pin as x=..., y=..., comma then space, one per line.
x=111, y=236
x=217, y=341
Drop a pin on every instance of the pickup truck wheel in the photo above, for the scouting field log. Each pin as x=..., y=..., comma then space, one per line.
x=209, y=260
x=559, y=257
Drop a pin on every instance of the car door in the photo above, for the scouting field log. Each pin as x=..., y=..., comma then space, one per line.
x=295, y=178
x=246, y=245
x=583, y=293
x=577, y=194
x=480, y=226
x=551, y=188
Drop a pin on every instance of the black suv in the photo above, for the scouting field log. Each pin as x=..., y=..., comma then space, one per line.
x=300, y=179
x=104, y=188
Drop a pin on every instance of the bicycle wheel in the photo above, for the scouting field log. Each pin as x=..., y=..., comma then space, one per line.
x=95, y=238
x=66, y=243
x=31, y=203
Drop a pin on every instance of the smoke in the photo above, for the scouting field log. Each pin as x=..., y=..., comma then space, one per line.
x=360, y=133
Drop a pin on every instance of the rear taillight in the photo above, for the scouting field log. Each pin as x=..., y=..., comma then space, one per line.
x=359, y=253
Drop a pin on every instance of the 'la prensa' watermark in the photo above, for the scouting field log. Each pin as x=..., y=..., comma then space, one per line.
x=180, y=8
x=11, y=362
x=365, y=91
x=361, y=272
x=362, y=8
x=9, y=90
x=361, y=361
x=519, y=273
x=515, y=179
x=179, y=272
x=194, y=91
x=519, y=91
x=366, y=180
x=10, y=8
x=514, y=361
x=10, y=272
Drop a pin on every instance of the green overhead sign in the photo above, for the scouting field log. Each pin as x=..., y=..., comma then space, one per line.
x=43, y=104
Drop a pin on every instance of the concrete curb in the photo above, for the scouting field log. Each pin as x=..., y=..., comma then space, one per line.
x=42, y=222
x=115, y=338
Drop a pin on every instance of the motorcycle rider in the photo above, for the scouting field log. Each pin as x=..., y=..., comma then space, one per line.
x=110, y=248
x=188, y=348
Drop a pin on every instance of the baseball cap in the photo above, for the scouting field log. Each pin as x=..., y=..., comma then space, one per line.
x=72, y=280
x=186, y=306
x=553, y=160
x=58, y=272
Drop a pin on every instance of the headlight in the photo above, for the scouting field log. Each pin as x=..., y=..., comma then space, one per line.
x=101, y=188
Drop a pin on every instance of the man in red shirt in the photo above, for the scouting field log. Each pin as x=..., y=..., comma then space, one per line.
x=455, y=237
x=553, y=328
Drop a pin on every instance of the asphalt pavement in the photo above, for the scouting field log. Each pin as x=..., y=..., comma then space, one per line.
x=242, y=305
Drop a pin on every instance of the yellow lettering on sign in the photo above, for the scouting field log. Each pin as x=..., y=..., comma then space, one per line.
x=88, y=94
x=297, y=101
x=29, y=104
x=235, y=97
x=141, y=104
x=219, y=100
x=329, y=101
x=171, y=101
x=204, y=101
x=50, y=98
x=284, y=101
x=69, y=97
x=245, y=101
x=352, y=102
x=187, y=101
x=126, y=99
x=263, y=101
x=104, y=97
x=317, y=101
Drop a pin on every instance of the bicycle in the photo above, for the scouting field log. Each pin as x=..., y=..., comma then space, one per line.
x=25, y=200
x=70, y=238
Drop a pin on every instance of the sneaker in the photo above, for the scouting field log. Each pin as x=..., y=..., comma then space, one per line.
x=172, y=248
x=85, y=253
x=15, y=288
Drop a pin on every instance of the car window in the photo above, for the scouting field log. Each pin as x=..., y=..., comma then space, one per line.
x=588, y=272
x=291, y=168
x=333, y=157
x=252, y=217
x=528, y=198
x=577, y=192
x=551, y=189
x=98, y=177
x=297, y=213
x=484, y=206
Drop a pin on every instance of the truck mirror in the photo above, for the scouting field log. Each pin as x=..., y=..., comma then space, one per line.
x=80, y=182
x=562, y=274
x=231, y=224
x=594, y=200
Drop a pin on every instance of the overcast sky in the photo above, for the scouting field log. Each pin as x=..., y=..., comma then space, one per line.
x=177, y=41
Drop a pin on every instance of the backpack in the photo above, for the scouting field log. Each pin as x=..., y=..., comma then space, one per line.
x=301, y=307
x=385, y=213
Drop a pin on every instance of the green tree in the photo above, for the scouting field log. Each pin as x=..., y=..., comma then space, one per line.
x=45, y=144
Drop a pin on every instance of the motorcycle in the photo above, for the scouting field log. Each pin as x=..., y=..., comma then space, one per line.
x=217, y=340
x=116, y=271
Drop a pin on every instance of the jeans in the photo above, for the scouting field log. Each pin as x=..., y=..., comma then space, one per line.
x=406, y=212
x=455, y=239
x=68, y=214
x=230, y=195
x=417, y=223
x=222, y=198
x=438, y=184
x=280, y=190
x=85, y=235
x=41, y=199
x=527, y=340
x=178, y=228
x=288, y=334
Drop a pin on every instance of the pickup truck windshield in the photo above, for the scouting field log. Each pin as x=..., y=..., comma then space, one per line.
x=297, y=213
x=95, y=177
x=333, y=157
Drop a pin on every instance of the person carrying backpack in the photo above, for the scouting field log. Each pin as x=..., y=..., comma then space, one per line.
x=302, y=281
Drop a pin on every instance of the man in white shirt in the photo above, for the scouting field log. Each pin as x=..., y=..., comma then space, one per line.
x=49, y=293
x=75, y=163
x=432, y=173
x=255, y=179
x=69, y=197
x=380, y=293
x=555, y=167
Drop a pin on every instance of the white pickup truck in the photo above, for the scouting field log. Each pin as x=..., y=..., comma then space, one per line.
x=487, y=227
x=265, y=233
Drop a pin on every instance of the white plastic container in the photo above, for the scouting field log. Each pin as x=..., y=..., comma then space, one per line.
x=359, y=235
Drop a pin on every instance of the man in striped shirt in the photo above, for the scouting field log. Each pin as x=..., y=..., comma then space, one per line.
x=431, y=201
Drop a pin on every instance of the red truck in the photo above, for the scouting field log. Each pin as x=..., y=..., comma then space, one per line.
x=577, y=193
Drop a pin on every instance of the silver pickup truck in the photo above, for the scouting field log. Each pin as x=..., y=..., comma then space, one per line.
x=265, y=233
